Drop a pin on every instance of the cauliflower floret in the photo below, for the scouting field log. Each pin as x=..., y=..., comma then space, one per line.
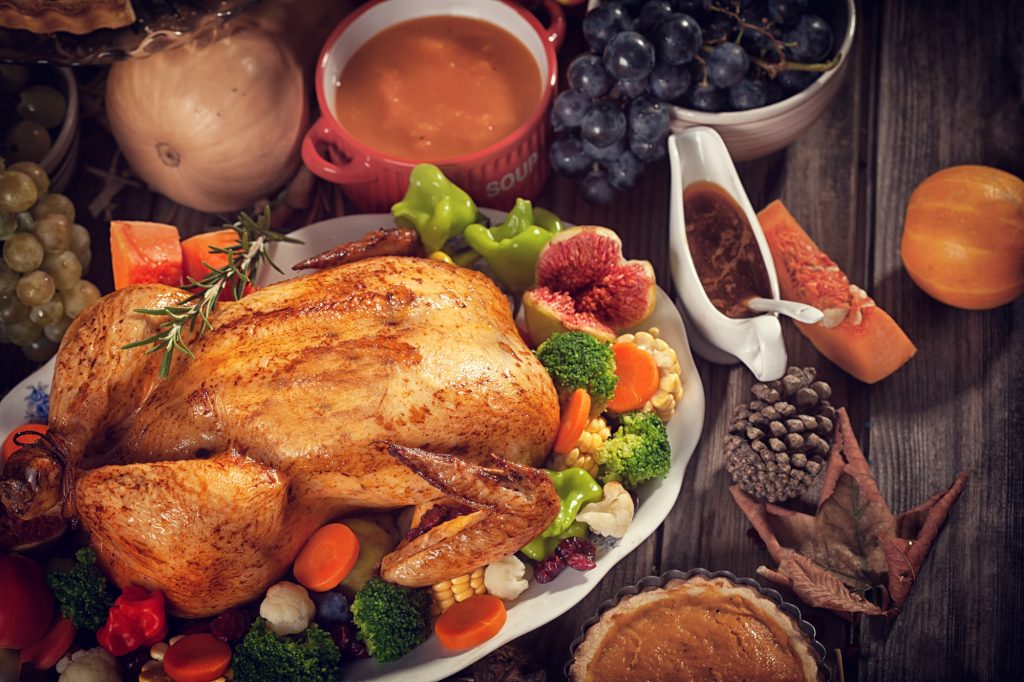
x=287, y=608
x=612, y=515
x=506, y=578
x=89, y=665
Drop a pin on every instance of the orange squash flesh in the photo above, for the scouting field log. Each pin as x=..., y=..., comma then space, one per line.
x=145, y=253
x=867, y=344
x=196, y=251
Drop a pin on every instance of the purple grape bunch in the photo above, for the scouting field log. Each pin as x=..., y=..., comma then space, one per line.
x=709, y=55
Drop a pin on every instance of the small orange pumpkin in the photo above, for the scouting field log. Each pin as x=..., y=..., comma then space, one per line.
x=963, y=238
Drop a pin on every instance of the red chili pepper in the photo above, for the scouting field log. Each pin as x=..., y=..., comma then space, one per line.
x=137, y=618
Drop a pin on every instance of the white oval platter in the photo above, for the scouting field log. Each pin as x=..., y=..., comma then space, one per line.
x=540, y=604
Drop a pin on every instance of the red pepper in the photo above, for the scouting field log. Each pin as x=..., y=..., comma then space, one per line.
x=137, y=618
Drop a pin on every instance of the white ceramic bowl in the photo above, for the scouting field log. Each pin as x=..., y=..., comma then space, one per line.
x=758, y=132
x=59, y=162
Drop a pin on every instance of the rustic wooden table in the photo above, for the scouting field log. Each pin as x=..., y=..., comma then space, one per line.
x=931, y=83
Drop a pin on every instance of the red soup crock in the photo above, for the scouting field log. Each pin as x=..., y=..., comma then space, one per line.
x=515, y=166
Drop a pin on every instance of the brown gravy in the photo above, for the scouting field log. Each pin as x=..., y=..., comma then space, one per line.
x=724, y=250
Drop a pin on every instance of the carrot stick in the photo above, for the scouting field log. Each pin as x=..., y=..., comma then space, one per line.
x=638, y=377
x=471, y=622
x=327, y=557
x=45, y=653
x=10, y=447
x=197, y=658
x=575, y=416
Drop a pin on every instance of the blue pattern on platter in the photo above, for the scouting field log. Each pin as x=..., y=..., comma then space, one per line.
x=37, y=403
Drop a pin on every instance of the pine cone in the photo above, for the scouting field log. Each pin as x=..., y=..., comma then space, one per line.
x=778, y=442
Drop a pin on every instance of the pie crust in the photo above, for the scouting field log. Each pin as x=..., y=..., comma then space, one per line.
x=646, y=609
x=72, y=16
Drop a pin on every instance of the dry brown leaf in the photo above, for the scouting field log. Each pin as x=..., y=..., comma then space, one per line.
x=852, y=546
x=822, y=588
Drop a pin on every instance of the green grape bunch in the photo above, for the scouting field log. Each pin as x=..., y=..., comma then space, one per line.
x=45, y=255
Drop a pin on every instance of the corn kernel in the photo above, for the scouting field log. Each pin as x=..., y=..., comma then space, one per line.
x=153, y=671
x=447, y=593
x=157, y=651
x=582, y=455
x=670, y=387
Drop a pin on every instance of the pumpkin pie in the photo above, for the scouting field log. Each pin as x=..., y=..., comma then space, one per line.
x=696, y=629
x=72, y=16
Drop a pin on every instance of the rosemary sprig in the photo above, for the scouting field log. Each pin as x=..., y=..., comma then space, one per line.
x=244, y=258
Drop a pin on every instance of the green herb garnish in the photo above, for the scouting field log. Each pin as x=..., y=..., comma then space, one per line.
x=244, y=260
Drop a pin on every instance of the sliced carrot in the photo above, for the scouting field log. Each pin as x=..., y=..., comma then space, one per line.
x=575, y=416
x=10, y=447
x=638, y=377
x=327, y=557
x=197, y=658
x=471, y=622
x=45, y=653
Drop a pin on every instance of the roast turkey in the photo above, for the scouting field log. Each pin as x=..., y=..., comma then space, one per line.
x=379, y=384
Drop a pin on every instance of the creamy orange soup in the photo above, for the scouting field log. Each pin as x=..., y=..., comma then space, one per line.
x=437, y=87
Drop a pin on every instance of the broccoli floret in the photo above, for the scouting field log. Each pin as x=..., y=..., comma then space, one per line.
x=637, y=452
x=311, y=656
x=82, y=592
x=578, y=360
x=391, y=619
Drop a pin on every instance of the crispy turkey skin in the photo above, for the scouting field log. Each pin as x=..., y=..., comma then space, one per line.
x=207, y=483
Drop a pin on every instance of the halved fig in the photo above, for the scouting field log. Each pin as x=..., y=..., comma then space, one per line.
x=584, y=284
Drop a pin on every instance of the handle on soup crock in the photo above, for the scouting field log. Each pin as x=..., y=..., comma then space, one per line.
x=556, y=23
x=347, y=174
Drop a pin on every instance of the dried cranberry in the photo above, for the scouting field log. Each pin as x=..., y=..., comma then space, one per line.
x=571, y=546
x=194, y=627
x=434, y=517
x=548, y=569
x=345, y=638
x=231, y=625
x=357, y=649
x=344, y=635
x=580, y=562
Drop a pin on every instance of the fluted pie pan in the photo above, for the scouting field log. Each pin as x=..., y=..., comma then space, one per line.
x=656, y=582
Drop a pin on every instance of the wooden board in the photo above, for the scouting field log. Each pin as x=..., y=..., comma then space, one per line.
x=932, y=83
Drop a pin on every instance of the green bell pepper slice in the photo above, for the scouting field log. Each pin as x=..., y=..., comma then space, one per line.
x=435, y=207
x=540, y=548
x=575, y=488
x=511, y=248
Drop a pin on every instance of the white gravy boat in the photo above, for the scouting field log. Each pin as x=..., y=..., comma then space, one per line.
x=700, y=154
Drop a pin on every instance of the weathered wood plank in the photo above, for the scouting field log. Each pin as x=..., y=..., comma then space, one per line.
x=931, y=84
x=819, y=178
x=950, y=77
